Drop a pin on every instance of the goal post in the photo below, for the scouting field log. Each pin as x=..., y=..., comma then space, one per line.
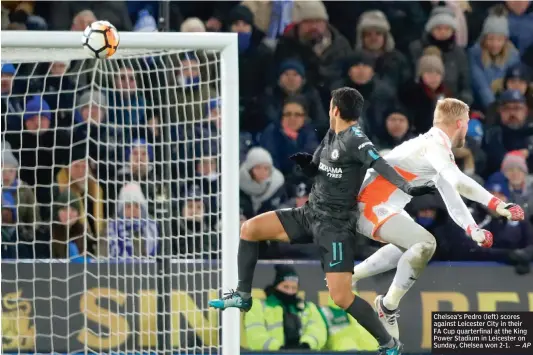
x=37, y=46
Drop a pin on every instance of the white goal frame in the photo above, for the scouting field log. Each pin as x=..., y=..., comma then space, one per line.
x=226, y=43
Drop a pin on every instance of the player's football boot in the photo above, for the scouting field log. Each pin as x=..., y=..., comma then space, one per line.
x=232, y=299
x=395, y=350
x=389, y=319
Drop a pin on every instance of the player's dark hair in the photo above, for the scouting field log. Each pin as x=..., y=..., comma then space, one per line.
x=349, y=102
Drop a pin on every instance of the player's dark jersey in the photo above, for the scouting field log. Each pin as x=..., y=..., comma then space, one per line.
x=342, y=160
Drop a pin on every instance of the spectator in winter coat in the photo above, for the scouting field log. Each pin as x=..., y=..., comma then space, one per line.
x=126, y=104
x=16, y=241
x=518, y=77
x=59, y=90
x=192, y=88
x=27, y=211
x=292, y=81
x=42, y=150
x=440, y=32
x=379, y=95
x=12, y=104
x=207, y=177
x=490, y=58
x=514, y=175
x=261, y=183
x=253, y=54
x=396, y=130
x=513, y=132
x=195, y=237
x=79, y=179
x=315, y=42
x=283, y=320
x=420, y=97
x=520, y=16
x=70, y=231
x=374, y=37
x=133, y=233
x=289, y=135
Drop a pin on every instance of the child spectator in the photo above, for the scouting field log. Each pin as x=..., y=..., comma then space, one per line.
x=291, y=82
x=420, y=97
x=440, y=32
x=379, y=95
x=261, y=183
x=70, y=230
x=133, y=233
x=490, y=58
x=289, y=135
x=301, y=324
x=375, y=38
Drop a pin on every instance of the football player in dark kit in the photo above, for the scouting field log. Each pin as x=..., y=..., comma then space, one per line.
x=339, y=166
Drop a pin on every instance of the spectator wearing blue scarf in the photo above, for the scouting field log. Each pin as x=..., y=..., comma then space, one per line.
x=133, y=233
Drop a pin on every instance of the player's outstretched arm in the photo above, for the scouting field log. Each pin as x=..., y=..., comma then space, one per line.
x=460, y=213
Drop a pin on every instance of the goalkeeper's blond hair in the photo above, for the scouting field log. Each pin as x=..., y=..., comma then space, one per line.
x=448, y=111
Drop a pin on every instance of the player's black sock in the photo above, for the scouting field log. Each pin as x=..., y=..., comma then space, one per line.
x=246, y=261
x=365, y=315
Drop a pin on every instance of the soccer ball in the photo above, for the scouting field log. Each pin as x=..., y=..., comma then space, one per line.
x=100, y=39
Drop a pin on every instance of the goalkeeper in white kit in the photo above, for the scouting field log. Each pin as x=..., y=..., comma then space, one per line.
x=426, y=158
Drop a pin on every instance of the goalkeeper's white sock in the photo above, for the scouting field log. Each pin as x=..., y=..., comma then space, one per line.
x=383, y=260
x=410, y=266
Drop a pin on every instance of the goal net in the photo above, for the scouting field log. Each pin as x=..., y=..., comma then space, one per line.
x=119, y=203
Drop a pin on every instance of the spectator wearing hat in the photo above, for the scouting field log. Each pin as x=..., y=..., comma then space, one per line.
x=513, y=132
x=490, y=58
x=134, y=232
x=520, y=16
x=29, y=216
x=79, y=178
x=193, y=88
x=396, y=130
x=283, y=320
x=374, y=37
x=41, y=149
x=261, y=184
x=195, y=236
x=440, y=32
x=290, y=134
x=71, y=234
x=192, y=24
x=292, y=81
x=515, y=170
x=315, y=42
x=16, y=241
x=420, y=96
x=358, y=73
x=253, y=54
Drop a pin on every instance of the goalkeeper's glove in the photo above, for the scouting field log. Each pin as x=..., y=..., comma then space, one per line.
x=305, y=162
x=482, y=237
x=511, y=211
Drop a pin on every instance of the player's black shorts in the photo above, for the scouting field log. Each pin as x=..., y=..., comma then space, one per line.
x=334, y=236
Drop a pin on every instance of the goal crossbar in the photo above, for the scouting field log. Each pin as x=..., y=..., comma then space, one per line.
x=12, y=41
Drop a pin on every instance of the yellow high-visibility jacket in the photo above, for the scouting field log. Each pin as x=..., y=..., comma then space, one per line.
x=344, y=332
x=263, y=325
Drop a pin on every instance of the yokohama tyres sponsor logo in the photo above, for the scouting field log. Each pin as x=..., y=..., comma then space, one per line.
x=335, y=173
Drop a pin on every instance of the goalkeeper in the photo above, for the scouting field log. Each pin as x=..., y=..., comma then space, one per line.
x=339, y=165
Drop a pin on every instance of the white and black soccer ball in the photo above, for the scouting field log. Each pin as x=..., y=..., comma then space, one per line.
x=100, y=39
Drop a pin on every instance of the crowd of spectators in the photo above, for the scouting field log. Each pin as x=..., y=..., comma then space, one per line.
x=74, y=179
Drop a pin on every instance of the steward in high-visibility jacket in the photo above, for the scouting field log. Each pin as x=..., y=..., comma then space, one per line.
x=282, y=320
x=344, y=332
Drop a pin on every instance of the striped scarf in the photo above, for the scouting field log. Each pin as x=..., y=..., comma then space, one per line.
x=132, y=237
x=280, y=17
